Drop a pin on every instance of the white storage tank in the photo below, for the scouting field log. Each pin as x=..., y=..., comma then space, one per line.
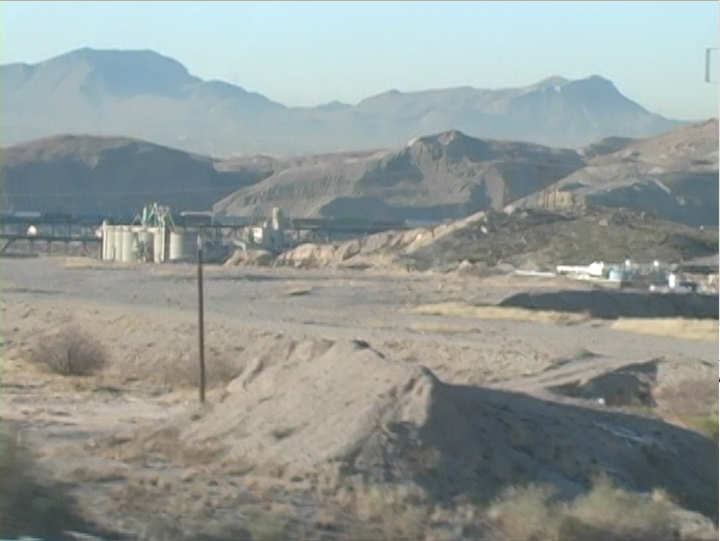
x=158, y=247
x=127, y=252
x=119, y=243
x=143, y=236
x=177, y=248
x=116, y=245
x=107, y=241
x=277, y=219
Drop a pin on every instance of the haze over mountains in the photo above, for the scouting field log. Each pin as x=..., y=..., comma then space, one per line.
x=443, y=176
x=141, y=94
x=114, y=130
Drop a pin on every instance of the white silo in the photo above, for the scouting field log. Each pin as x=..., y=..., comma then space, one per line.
x=119, y=230
x=116, y=244
x=177, y=247
x=107, y=239
x=277, y=219
x=158, y=247
x=128, y=245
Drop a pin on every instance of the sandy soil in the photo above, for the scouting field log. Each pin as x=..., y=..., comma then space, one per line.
x=344, y=344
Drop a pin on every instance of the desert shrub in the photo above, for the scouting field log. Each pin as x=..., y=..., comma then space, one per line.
x=525, y=513
x=389, y=512
x=605, y=513
x=69, y=351
x=30, y=505
x=184, y=371
x=616, y=514
x=707, y=425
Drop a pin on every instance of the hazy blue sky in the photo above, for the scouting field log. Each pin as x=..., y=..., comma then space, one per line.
x=306, y=53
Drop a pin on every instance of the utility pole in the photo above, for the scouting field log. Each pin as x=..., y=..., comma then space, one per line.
x=201, y=317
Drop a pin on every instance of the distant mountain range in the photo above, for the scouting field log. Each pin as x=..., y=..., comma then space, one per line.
x=444, y=176
x=143, y=95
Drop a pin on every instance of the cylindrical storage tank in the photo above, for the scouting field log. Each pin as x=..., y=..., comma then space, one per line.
x=127, y=252
x=119, y=242
x=277, y=219
x=107, y=239
x=177, y=251
x=616, y=275
x=116, y=243
x=158, y=246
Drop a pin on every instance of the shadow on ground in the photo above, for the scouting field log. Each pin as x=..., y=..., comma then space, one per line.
x=617, y=304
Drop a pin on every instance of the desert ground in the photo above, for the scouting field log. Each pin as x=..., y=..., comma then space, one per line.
x=347, y=404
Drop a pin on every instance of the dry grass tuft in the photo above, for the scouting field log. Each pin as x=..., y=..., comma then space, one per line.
x=147, y=445
x=617, y=514
x=707, y=425
x=220, y=369
x=459, y=309
x=605, y=513
x=69, y=351
x=686, y=329
x=439, y=328
x=524, y=513
x=88, y=263
x=394, y=512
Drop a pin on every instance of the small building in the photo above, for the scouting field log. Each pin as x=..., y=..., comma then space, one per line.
x=702, y=265
x=702, y=271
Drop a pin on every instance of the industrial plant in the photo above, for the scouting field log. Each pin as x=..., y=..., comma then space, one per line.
x=154, y=239
x=156, y=235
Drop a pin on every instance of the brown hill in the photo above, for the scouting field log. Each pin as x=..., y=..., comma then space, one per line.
x=673, y=176
x=83, y=174
x=445, y=176
x=436, y=177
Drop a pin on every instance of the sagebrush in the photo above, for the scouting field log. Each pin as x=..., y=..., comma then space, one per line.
x=69, y=351
x=605, y=513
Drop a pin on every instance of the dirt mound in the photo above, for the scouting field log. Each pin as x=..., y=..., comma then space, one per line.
x=381, y=249
x=525, y=238
x=611, y=382
x=547, y=238
x=346, y=405
x=608, y=304
x=250, y=258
